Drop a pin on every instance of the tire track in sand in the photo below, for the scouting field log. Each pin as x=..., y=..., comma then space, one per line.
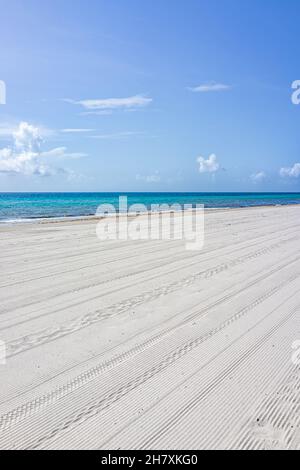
x=25, y=343
x=32, y=407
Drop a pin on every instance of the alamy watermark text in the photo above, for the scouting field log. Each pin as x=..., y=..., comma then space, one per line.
x=2, y=92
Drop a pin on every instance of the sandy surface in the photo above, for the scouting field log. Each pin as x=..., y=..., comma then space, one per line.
x=144, y=345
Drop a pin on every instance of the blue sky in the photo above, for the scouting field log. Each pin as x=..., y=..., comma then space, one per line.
x=125, y=95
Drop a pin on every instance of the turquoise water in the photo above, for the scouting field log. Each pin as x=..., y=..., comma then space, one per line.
x=20, y=206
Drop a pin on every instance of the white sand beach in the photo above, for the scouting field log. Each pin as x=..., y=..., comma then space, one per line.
x=145, y=345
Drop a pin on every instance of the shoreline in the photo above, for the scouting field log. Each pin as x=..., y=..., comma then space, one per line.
x=90, y=218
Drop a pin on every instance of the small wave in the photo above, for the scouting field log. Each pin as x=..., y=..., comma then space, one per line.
x=16, y=221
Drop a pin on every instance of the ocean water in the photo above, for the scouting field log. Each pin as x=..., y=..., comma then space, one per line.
x=16, y=207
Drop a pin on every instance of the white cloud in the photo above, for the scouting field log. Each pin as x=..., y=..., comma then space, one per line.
x=105, y=112
x=76, y=131
x=210, y=165
x=258, y=177
x=8, y=129
x=155, y=178
x=27, y=138
x=207, y=87
x=292, y=172
x=131, y=102
x=25, y=155
x=61, y=152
